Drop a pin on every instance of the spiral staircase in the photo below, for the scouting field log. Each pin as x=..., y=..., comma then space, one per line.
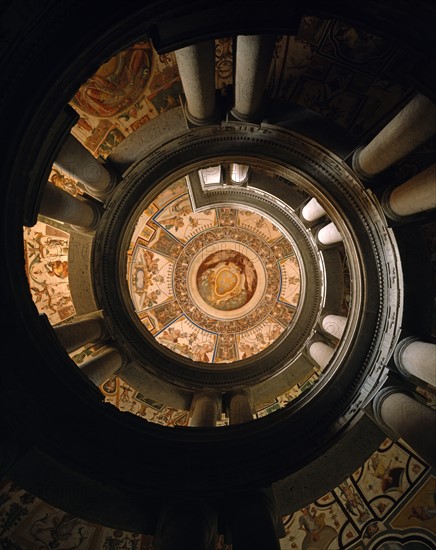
x=244, y=258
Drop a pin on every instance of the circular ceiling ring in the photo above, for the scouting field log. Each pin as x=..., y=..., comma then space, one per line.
x=110, y=247
x=295, y=161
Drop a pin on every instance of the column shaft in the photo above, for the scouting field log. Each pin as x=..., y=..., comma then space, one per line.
x=417, y=359
x=9, y=454
x=329, y=234
x=334, y=324
x=254, y=520
x=80, y=332
x=321, y=353
x=103, y=366
x=76, y=161
x=204, y=410
x=409, y=419
x=415, y=195
x=253, y=60
x=412, y=126
x=186, y=523
x=239, y=406
x=196, y=66
x=59, y=205
x=312, y=211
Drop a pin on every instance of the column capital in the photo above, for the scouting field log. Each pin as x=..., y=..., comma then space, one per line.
x=357, y=169
x=385, y=201
x=399, y=349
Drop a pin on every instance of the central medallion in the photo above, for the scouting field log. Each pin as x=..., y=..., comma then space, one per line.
x=226, y=280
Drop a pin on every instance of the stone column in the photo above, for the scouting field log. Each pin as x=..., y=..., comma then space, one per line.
x=253, y=60
x=413, y=196
x=412, y=126
x=239, y=407
x=9, y=454
x=321, y=353
x=12, y=445
x=59, y=205
x=186, y=523
x=398, y=412
x=78, y=163
x=329, y=234
x=205, y=409
x=312, y=211
x=254, y=520
x=334, y=324
x=416, y=359
x=81, y=331
x=101, y=367
x=196, y=66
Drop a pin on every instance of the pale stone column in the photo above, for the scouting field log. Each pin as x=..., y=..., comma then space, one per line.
x=398, y=412
x=321, y=353
x=101, y=367
x=196, y=66
x=253, y=60
x=412, y=126
x=59, y=205
x=78, y=163
x=186, y=523
x=312, y=211
x=81, y=331
x=239, y=407
x=329, y=234
x=334, y=324
x=205, y=409
x=413, y=196
x=417, y=359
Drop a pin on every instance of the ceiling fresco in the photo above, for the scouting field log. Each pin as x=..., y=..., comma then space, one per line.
x=389, y=503
x=217, y=285
x=131, y=88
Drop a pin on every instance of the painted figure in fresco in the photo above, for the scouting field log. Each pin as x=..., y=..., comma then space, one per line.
x=381, y=468
x=318, y=534
x=117, y=84
x=201, y=351
x=353, y=502
x=247, y=349
x=149, y=299
x=425, y=513
x=371, y=530
x=174, y=219
x=63, y=182
x=58, y=268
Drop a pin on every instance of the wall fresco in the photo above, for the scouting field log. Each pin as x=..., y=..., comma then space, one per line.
x=46, y=264
x=131, y=88
x=362, y=513
x=127, y=399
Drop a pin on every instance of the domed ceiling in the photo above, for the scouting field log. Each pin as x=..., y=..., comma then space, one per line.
x=221, y=283
x=216, y=285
